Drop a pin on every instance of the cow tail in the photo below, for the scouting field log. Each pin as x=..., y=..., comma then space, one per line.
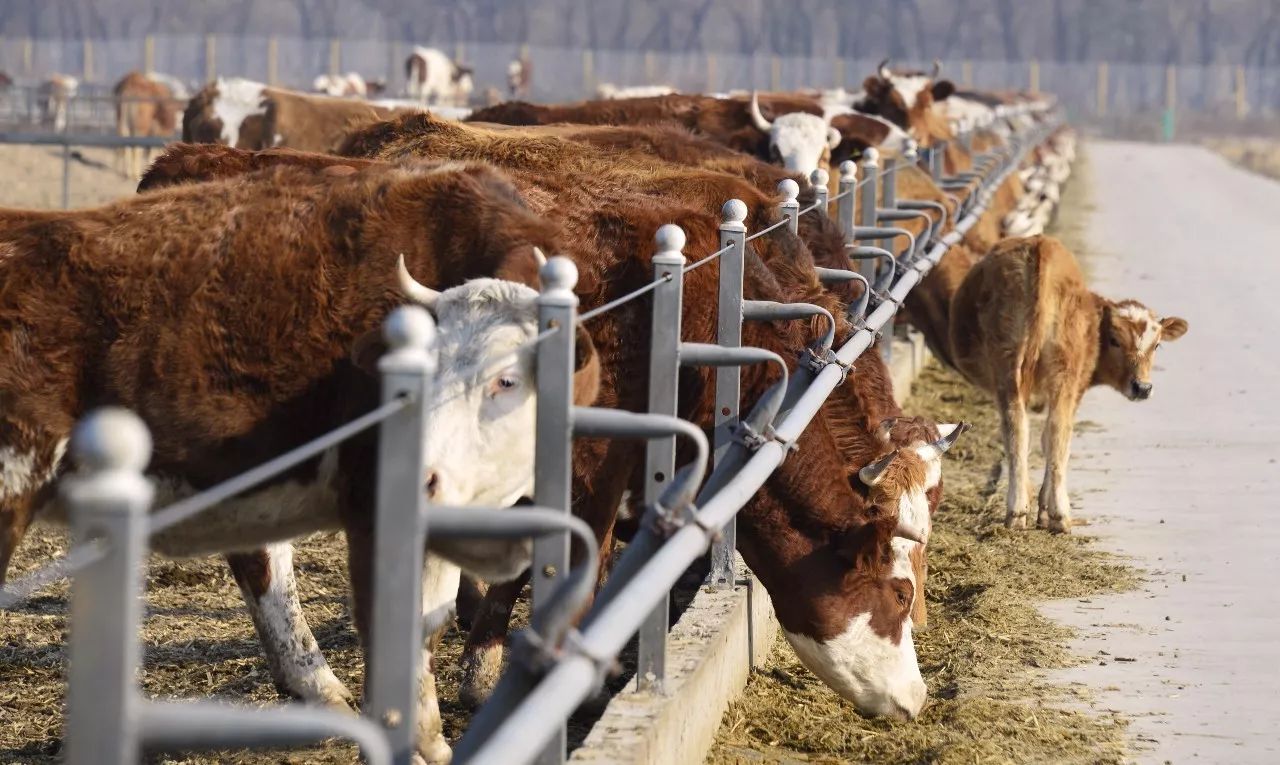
x=1037, y=327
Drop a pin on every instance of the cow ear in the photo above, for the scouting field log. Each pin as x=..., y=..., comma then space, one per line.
x=942, y=90
x=1172, y=328
x=586, y=369
x=366, y=351
x=874, y=86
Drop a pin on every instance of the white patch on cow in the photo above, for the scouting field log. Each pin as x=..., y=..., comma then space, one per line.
x=879, y=677
x=21, y=471
x=431, y=78
x=910, y=86
x=801, y=140
x=1143, y=318
x=237, y=100
x=293, y=656
x=278, y=512
x=609, y=91
x=439, y=592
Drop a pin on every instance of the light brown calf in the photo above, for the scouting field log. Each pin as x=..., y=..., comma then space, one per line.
x=1025, y=327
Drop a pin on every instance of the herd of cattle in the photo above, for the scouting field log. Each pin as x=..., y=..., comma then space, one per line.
x=235, y=304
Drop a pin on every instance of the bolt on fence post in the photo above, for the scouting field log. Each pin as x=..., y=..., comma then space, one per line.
x=108, y=499
x=557, y=309
x=395, y=630
x=790, y=206
x=821, y=194
x=728, y=379
x=888, y=201
x=660, y=453
x=868, y=203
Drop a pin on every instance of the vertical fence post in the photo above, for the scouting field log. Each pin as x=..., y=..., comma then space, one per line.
x=938, y=159
x=335, y=57
x=210, y=58
x=66, y=176
x=728, y=379
x=846, y=203
x=867, y=204
x=966, y=73
x=712, y=73
x=1100, y=108
x=28, y=56
x=108, y=500
x=775, y=73
x=841, y=75
x=889, y=201
x=395, y=633
x=588, y=73
x=821, y=193
x=88, y=60
x=1170, y=102
x=1242, y=98
x=149, y=53
x=273, y=60
x=660, y=453
x=650, y=68
x=790, y=205
x=1033, y=76
x=552, y=470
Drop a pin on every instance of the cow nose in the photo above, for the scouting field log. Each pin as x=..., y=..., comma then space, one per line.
x=432, y=484
x=1141, y=390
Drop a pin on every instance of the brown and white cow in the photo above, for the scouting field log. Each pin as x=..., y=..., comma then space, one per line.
x=250, y=115
x=191, y=339
x=1026, y=328
x=55, y=95
x=434, y=78
x=146, y=106
x=790, y=132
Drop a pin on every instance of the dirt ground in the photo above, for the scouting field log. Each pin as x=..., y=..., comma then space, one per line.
x=1258, y=155
x=33, y=177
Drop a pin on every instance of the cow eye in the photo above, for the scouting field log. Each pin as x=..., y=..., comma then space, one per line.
x=1113, y=341
x=506, y=383
x=503, y=384
x=903, y=599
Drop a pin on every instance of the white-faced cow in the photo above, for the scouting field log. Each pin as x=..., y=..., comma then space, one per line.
x=1025, y=327
x=55, y=95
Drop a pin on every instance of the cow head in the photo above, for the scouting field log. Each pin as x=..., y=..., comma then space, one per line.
x=231, y=111
x=480, y=426
x=799, y=141
x=1129, y=336
x=463, y=82
x=854, y=579
x=905, y=98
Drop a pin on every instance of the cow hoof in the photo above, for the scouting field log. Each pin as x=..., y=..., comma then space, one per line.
x=1060, y=525
x=1016, y=522
x=434, y=752
x=323, y=688
x=481, y=669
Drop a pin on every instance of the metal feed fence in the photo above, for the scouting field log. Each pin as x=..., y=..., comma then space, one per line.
x=554, y=666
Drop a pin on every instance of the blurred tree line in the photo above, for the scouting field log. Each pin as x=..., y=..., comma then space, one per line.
x=1150, y=31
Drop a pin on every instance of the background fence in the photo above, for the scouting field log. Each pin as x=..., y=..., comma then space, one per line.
x=1085, y=89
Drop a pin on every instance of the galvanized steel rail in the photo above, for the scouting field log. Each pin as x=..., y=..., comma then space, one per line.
x=554, y=667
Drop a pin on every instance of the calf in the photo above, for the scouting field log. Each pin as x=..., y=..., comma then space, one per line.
x=434, y=78
x=1025, y=328
x=146, y=106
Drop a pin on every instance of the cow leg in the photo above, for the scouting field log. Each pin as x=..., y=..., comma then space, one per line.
x=1055, y=504
x=470, y=595
x=482, y=655
x=297, y=666
x=1017, y=441
x=432, y=748
x=15, y=517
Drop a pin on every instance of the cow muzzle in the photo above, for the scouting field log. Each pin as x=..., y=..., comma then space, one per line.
x=1139, y=391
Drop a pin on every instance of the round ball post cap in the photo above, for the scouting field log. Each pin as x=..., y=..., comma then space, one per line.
x=669, y=237
x=871, y=156
x=789, y=189
x=912, y=150
x=848, y=170
x=734, y=211
x=559, y=273
x=409, y=326
x=111, y=438
x=819, y=177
